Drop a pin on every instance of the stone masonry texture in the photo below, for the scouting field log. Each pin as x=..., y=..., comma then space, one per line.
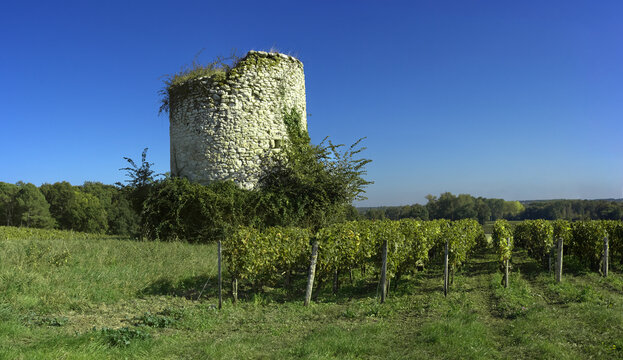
x=225, y=127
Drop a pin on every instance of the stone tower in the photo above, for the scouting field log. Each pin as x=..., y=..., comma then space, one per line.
x=222, y=126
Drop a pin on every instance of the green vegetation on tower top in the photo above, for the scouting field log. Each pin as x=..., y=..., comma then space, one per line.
x=218, y=70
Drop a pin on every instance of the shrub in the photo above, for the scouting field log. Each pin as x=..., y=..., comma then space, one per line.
x=178, y=209
x=503, y=239
x=218, y=69
x=587, y=242
x=258, y=257
x=615, y=236
x=538, y=238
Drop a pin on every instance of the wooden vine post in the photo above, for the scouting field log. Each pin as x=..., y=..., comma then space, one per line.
x=220, y=277
x=312, y=272
x=234, y=289
x=605, y=256
x=336, y=281
x=445, y=269
x=559, y=261
x=384, y=272
x=506, y=264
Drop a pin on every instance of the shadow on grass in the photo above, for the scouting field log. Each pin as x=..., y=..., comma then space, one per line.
x=572, y=265
x=430, y=280
x=528, y=268
x=480, y=262
x=359, y=288
x=188, y=288
x=207, y=286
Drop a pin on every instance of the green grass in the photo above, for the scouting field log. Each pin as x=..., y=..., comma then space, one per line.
x=113, y=298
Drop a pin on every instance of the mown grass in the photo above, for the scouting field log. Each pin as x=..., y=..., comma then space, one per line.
x=74, y=299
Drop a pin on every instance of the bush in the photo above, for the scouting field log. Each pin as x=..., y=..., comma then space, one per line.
x=309, y=185
x=562, y=230
x=259, y=257
x=420, y=237
x=503, y=239
x=587, y=242
x=537, y=236
x=615, y=236
x=177, y=209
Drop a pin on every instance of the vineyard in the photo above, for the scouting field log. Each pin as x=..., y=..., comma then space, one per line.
x=274, y=256
x=75, y=295
x=265, y=258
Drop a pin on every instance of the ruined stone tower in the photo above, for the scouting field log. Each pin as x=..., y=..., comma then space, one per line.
x=222, y=126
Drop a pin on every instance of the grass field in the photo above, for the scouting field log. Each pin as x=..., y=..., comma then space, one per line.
x=69, y=299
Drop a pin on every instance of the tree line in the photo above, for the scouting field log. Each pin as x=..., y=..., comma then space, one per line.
x=92, y=207
x=573, y=210
x=177, y=208
x=464, y=206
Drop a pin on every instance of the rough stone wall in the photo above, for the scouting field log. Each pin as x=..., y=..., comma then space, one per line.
x=223, y=126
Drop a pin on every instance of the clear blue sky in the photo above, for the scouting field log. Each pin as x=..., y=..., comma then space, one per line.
x=511, y=99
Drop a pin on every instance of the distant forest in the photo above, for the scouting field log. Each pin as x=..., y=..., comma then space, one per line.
x=465, y=206
x=92, y=207
x=98, y=208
